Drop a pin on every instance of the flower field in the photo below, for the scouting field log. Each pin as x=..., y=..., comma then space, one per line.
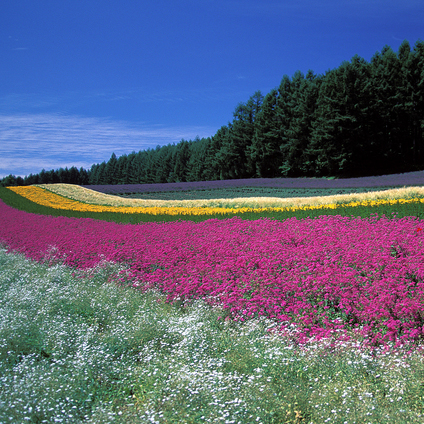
x=77, y=348
x=324, y=274
x=308, y=315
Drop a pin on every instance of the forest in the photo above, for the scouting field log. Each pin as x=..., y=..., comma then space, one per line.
x=362, y=118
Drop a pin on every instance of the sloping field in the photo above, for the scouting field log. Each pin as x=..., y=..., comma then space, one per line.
x=86, y=195
x=79, y=202
x=284, y=316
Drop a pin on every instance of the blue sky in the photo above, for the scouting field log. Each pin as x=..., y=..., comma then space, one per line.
x=80, y=79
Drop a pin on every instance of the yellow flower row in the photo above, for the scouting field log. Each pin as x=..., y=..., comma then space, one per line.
x=52, y=200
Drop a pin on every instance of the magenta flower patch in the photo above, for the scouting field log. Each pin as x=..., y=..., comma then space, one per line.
x=325, y=274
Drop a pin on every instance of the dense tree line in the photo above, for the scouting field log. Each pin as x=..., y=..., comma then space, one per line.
x=72, y=175
x=362, y=118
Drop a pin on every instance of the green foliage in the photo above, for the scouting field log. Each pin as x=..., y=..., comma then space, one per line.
x=265, y=152
x=181, y=157
x=340, y=137
x=302, y=103
x=72, y=175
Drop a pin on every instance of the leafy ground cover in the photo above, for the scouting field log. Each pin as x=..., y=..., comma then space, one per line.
x=77, y=347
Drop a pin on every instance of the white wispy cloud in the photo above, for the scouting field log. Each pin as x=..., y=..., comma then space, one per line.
x=31, y=142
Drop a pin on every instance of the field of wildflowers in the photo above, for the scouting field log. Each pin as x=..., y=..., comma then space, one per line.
x=334, y=282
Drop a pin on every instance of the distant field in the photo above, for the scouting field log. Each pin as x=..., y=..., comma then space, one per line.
x=247, y=192
x=380, y=182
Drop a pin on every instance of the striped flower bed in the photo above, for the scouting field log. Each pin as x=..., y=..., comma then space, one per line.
x=44, y=197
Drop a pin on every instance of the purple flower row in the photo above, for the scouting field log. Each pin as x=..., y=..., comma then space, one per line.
x=407, y=179
x=323, y=274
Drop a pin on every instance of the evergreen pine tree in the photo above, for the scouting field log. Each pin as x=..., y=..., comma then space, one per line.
x=265, y=149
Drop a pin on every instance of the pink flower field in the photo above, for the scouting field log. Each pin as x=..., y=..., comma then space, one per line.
x=324, y=274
